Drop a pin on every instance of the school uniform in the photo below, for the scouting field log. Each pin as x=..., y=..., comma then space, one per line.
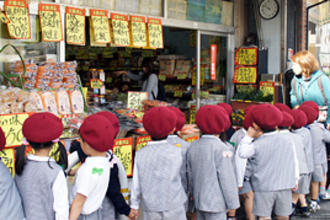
x=43, y=189
x=10, y=200
x=320, y=136
x=211, y=176
x=157, y=182
x=274, y=172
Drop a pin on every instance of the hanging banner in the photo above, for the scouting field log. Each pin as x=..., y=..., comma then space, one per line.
x=7, y=156
x=50, y=23
x=135, y=100
x=75, y=26
x=123, y=149
x=3, y=18
x=17, y=12
x=11, y=125
x=141, y=142
x=120, y=30
x=245, y=75
x=155, y=33
x=100, y=26
x=138, y=31
x=214, y=49
x=246, y=56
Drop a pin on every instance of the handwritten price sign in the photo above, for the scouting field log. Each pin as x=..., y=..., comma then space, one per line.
x=50, y=22
x=96, y=83
x=17, y=13
x=120, y=30
x=246, y=75
x=135, y=100
x=123, y=149
x=3, y=18
x=8, y=158
x=75, y=26
x=100, y=25
x=246, y=56
x=12, y=127
x=141, y=142
x=155, y=33
x=138, y=31
x=268, y=88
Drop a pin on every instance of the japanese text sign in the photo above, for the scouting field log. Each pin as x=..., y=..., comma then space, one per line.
x=213, y=61
x=100, y=26
x=245, y=75
x=246, y=56
x=123, y=149
x=155, y=33
x=7, y=156
x=135, y=100
x=142, y=141
x=50, y=22
x=75, y=26
x=120, y=30
x=138, y=31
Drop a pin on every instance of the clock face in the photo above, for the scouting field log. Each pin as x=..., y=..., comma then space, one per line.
x=268, y=9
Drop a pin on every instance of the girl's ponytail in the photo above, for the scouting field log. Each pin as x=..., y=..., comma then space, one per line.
x=63, y=157
x=20, y=160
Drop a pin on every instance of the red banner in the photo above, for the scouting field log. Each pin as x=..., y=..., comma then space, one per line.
x=213, y=61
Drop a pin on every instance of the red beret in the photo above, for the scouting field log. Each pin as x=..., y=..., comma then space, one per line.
x=300, y=118
x=159, y=122
x=98, y=133
x=247, y=122
x=180, y=118
x=266, y=116
x=211, y=119
x=112, y=118
x=310, y=112
x=287, y=120
x=227, y=107
x=282, y=107
x=311, y=104
x=248, y=109
x=226, y=118
x=2, y=140
x=42, y=127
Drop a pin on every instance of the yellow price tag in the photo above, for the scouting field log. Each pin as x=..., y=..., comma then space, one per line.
x=135, y=100
x=100, y=26
x=139, y=31
x=50, y=22
x=204, y=94
x=178, y=93
x=7, y=156
x=247, y=56
x=245, y=75
x=267, y=88
x=162, y=77
x=123, y=149
x=120, y=30
x=142, y=142
x=155, y=33
x=17, y=13
x=75, y=26
x=192, y=114
x=96, y=84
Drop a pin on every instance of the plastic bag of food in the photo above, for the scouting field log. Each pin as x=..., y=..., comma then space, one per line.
x=36, y=100
x=17, y=107
x=63, y=102
x=49, y=102
x=77, y=101
x=30, y=107
x=4, y=108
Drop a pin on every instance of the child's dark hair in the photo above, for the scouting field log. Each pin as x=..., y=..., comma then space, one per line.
x=21, y=159
x=159, y=139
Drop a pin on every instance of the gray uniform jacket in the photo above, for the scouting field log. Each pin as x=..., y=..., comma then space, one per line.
x=307, y=141
x=301, y=153
x=156, y=178
x=10, y=200
x=320, y=136
x=211, y=175
x=272, y=160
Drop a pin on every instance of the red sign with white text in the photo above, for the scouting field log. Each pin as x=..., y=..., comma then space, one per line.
x=213, y=61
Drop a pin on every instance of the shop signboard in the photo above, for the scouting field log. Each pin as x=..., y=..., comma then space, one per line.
x=123, y=149
x=75, y=26
x=50, y=23
x=120, y=30
x=155, y=33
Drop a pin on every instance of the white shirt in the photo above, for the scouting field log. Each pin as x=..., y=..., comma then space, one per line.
x=240, y=166
x=60, y=191
x=92, y=181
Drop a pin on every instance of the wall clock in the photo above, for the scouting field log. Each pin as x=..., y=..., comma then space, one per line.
x=268, y=9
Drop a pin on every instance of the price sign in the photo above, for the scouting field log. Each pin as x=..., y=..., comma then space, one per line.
x=155, y=33
x=142, y=142
x=3, y=18
x=192, y=114
x=12, y=127
x=178, y=93
x=17, y=12
x=246, y=56
x=50, y=22
x=245, y=75
x=100, y=26
x=267, y=88
x=192, y=139
x=135, y=100
x=213, y=61
x=162, y=77
x=138, y=31
x=123, y=149
x=75, y=26
x=120, y=30
x=96, y=83
x=8, y=158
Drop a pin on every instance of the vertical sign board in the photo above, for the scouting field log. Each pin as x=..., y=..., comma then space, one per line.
x=155, y=33
x=138, y=31
x=123, y=149
x=213, y=61
x=120, y=30
x=50, y=23
x=75, y=26
x=100, y=26
x=17, y=12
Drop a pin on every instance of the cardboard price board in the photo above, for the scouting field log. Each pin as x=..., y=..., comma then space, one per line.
x=75, y=26
x=141, y=142
x=268, y=88
x=100, y=26
x=50, y=22
x=17, y=13
x=7, y=156
x=123, y=149
x=155, y=33
x=192, y=139
x=138, y=31
x=120, y=30
x=135, y=100
x=213, y=66
x=12, y=127
x=246, y=56
x=3, y=18
x=245, y=75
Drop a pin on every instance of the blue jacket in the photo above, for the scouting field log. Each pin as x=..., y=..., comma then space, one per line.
x=311, y=90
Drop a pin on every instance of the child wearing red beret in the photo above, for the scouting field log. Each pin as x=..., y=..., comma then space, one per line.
x=39, y=179
x=157, y=172
x=97, y=137
x=10, y=200
x=274, y=172
x=211, y=174
x=320, y=136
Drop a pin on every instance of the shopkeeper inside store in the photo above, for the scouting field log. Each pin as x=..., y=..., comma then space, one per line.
x=148, y=76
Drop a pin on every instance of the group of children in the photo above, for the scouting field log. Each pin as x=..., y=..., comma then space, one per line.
x=271, y=162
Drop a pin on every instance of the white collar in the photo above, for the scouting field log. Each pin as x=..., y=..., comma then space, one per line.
x=210, y=136
x=39, y=158
x=89, y=158
x=172, y=136
x=271, y=133
x=157, y=142
x=285, y=131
